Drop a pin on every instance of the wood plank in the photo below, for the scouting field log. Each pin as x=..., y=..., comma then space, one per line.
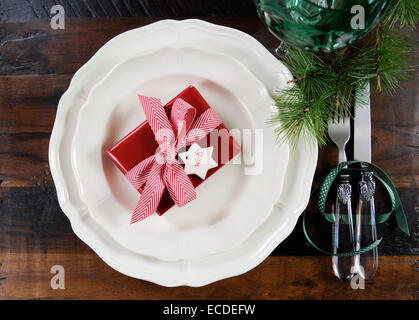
x=395, y=122
x=21, y=10
x=24, y=159
x=27, y=276
x=29, y=103
x=32, y=221
x=28, y=106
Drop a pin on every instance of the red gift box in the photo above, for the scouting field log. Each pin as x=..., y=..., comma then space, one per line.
x=140, y=143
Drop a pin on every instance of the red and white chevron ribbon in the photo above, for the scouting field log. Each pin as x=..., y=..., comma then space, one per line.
x=162, y=170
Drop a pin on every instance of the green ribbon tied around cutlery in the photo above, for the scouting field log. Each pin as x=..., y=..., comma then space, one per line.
x=396, y=205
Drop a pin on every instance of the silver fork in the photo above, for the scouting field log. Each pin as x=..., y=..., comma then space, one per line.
x=343, y=230
x=339, y=133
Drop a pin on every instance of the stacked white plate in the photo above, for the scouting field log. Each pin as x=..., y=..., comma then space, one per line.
x=242, y=212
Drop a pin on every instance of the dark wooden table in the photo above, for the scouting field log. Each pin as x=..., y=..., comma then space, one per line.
x=36, y=66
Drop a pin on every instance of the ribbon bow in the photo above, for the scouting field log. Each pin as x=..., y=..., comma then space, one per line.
x=162, y=170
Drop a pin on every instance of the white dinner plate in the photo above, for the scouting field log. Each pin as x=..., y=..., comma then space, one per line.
x=237, y=195
x=299, y=173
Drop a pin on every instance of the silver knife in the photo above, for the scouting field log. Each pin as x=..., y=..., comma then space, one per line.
x=366, y=264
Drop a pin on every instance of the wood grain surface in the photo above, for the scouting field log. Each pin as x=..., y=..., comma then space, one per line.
x=27, y=276
x=21, y=10
x=36, y=67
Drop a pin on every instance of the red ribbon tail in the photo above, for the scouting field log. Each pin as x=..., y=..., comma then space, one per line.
x=151, y=195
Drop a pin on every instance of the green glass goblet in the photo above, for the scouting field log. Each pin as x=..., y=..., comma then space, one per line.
x=320, y=25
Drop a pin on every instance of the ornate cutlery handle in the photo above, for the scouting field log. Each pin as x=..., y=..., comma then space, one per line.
x=366, y=264
x=343, y=230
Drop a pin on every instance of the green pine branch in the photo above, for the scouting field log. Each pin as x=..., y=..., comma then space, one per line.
x=324, y=85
